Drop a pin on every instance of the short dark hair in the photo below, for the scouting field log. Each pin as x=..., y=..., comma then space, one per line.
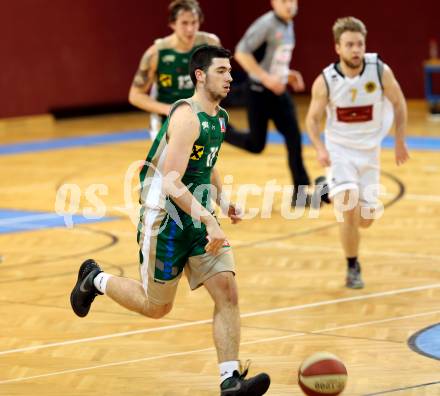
x=202, y=59
x=186, y=5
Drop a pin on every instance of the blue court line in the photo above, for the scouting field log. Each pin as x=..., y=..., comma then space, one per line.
x=414, y=142
x=427, y=341
x=72, y=142
x=12, y=220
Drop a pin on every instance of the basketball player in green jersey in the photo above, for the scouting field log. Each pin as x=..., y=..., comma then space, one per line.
x=163, y=69
x=177, y=230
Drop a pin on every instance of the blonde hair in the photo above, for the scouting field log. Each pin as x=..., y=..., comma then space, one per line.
x=348, y=24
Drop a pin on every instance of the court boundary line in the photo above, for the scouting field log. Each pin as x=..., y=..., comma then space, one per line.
x=208, y=321
x=419, y=143
x=212, y=349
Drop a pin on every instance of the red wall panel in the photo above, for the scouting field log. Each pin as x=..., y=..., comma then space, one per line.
x=60, y=53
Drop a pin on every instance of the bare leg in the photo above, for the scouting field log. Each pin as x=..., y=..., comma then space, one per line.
x=131, y=295
x=349, y=233
x=349, y=227
x=367, y=222
x=226, y=326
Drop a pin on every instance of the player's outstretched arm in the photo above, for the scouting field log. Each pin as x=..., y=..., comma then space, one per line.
x=314, y=117
x=395, y=95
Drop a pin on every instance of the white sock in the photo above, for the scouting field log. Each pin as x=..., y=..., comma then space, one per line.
x=101, y=280
x=227, y=369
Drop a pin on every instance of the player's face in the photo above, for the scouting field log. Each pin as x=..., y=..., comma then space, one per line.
x=351, y=49
x=285, y=9
x=186, y=26
x=218, y=79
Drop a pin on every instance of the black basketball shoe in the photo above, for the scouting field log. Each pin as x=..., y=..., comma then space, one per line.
x=85, y=291
x=237, y=385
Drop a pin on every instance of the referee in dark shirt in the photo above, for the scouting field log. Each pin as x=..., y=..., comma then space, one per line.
x=264, y=52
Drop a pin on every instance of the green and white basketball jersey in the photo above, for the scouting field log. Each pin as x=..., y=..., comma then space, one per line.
x=197, y=176
x=173, y=80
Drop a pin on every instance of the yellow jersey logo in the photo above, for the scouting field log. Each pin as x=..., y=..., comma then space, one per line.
x=197, y=152
x=370, y=86
x=166, y=80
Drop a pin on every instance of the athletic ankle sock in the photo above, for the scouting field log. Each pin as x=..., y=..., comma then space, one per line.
x=351, y=261
x=227, y=369
x=100, y=281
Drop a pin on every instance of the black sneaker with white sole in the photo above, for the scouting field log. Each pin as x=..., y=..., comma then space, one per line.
x=85, y=291
x=237, y=385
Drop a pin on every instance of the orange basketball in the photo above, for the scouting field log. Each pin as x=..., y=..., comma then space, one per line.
x=322, y=374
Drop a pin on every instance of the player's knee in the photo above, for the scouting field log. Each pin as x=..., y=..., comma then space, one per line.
x=368, y=215
x=227, y=289
x=154, y=311
x=158, y=313
x=365, y=223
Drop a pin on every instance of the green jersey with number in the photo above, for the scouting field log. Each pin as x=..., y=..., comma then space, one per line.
x=197, y=176
x=173, y=79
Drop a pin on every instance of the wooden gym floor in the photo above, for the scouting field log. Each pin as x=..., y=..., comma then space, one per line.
x=290, y=275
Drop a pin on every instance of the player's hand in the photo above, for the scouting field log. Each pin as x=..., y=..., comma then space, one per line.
x=401, y=152
x=296, y=81
x=323, y=157
x=234, y=213
x=274, y=84
x=216, y=237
